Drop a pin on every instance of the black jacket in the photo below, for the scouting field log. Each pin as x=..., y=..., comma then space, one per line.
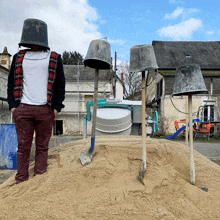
x=58, y=88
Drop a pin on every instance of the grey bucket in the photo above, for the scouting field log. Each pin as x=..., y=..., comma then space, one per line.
x=34, y=33
x=142, y=58
x=189, y=79
x=98, y=55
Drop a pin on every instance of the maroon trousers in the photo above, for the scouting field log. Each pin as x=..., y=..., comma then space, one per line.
x=30, y=118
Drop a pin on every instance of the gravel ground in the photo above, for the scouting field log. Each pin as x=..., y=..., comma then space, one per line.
x=209, y=150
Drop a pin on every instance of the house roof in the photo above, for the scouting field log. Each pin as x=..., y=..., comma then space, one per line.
x=4, y=68
x=171, y=54
x=85, y=73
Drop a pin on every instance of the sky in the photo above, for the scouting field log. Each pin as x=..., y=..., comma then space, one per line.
x=73, y=24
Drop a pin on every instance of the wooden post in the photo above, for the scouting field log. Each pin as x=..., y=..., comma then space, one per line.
x=144, y=157
x=192, y=167
x=95, y=102
x=187, y=122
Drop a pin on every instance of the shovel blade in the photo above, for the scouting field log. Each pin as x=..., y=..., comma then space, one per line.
x=205, y=189
x=141, y=176
x=141, y=173
x=86, y=158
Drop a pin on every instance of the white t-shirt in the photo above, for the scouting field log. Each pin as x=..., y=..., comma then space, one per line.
x=35, y=77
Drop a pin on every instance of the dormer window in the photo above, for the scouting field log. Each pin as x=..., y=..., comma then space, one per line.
x=187, y=55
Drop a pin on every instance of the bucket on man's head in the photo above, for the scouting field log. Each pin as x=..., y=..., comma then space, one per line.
x=34, y=33
x=8, y=147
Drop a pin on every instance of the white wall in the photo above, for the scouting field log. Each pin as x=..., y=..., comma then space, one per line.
x=3, y=83
x=119, y=90
x=181, y=103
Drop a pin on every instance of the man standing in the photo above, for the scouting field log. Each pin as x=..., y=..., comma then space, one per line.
x=36, y=90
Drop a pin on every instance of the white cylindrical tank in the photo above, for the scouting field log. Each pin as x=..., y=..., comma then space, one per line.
x=113, y=121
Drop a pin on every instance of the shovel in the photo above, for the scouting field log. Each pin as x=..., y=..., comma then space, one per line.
x=86, y=158
x=144, y=157
x=192, y=166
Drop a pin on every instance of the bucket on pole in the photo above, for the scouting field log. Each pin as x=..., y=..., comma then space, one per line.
x=98, y=57
x=8, y=147
x=142, y=58
x=189, y=79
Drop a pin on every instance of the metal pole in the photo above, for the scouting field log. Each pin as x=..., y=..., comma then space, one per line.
x=115, y=61
x=84, y=128
x=192, y=167
x=78, y=97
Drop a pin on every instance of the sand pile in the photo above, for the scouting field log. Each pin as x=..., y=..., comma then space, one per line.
x=108, y=188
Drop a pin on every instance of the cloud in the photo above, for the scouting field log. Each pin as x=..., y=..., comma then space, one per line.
x=210, y=32
x=175, y=14
x=189, y=12
x=117, y=41
x=102, y=21
x=175, y=2
x=72, y=24
x=183, y=30
x=186, y=13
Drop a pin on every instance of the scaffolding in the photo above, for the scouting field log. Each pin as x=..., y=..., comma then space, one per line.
x=80, y=99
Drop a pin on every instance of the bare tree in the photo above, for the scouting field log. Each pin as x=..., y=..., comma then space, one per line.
x=132, y=81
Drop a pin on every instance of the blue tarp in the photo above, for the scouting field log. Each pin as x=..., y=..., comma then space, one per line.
x=8, y=147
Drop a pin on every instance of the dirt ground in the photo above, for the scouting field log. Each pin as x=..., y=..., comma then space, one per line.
x=108, y=188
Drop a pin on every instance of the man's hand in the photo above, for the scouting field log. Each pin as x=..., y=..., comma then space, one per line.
x=55, y=112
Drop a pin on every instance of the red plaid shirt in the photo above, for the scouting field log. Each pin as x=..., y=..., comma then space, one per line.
x=19, y=75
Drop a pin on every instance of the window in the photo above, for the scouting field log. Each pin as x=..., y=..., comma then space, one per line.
x=58, y=127
x=159, y=88
x=208, y=113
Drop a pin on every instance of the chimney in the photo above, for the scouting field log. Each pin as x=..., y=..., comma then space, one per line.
x=122, y=78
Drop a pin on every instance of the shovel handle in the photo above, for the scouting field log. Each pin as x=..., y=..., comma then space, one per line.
x=95, y=102
x=192, y=167
x=94, y=111
x=144, y=156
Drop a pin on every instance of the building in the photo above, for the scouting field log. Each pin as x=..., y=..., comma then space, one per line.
x=5, y=63
x=79, y=90
x=169, y=56
x=5, y=60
